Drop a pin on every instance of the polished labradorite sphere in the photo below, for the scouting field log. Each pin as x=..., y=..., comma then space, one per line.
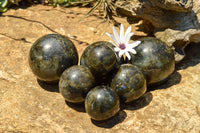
x=155, y=59
x=99, y=58
x=75, y=82
x=50, y=55
x=102, y=103
x=129, y=83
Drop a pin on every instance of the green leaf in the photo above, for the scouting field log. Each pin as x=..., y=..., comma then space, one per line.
x=3, y=3
x=3, y=9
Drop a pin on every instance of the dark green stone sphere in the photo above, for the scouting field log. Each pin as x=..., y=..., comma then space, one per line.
x=75, y=82
x=129, y=83
x=99, y=58
x=155, y=59
x=50, y=55
x=102, y=103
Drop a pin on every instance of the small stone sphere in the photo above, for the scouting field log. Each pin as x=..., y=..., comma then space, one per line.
x=75, y=82
x=50, y=55
x=129, y=83
x=102, y=103
x=99, y=58
x=155, y=59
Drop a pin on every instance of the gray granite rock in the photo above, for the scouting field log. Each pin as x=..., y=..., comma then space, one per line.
x=174, y=5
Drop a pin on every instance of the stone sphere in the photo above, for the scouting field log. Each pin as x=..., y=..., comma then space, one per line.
x=102, y=103
x=50, y=55
x=75, y=82
x=129, y=83
x=99, y=58
x=155, y=59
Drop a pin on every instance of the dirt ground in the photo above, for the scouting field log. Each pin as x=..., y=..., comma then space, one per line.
x=28, y=105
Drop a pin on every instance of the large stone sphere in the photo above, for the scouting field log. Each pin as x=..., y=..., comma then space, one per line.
x=50, y=55
x=155, y=59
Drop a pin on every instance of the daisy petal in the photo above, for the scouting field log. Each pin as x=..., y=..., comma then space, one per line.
x=122, y=33
x=116, y=35
x=121, y=53
x=108, y=34
x=132, y=51
x=116, y=49
x=127, y=39
x=112, y=37
x=112, y=43
x=121, y=42
x=127, y=31
x=128, y=55
x=134, y=44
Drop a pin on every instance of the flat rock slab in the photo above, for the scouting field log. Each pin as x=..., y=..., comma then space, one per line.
x=28, y=105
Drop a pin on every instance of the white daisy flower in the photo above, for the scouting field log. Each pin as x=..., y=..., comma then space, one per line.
x=122, y=42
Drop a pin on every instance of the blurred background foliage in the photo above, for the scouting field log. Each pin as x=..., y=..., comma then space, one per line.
x=108, y=6
x=6, y=4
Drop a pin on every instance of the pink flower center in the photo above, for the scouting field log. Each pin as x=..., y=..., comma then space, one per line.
x=122, y=46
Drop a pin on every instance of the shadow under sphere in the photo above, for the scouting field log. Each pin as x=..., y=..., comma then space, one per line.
x=52, y=87
x=173, y=79
x=139, y=103
x=111, y=122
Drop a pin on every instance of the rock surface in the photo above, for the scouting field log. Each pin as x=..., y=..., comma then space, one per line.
x=176, y=22
x=28, y=105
